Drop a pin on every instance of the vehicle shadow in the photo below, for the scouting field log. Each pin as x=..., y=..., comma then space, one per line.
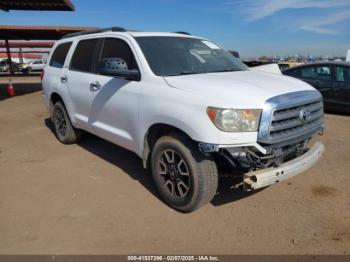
x=127, y=161
x=227, y=193
x=131, y=164
x=20, y=89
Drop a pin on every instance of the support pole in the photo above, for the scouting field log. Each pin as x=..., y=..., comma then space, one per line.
x=20, y=56
x=9, y=56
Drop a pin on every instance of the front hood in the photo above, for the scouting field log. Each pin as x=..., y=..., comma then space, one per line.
x=238, y=89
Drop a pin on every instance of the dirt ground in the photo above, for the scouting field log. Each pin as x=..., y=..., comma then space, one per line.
x=95, y=198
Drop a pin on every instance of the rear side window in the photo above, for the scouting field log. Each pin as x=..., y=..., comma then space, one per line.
x=83, y=56
x=60, y=54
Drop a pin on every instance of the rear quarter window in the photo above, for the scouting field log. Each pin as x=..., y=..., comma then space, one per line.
x=342, y=74
x=59, y=55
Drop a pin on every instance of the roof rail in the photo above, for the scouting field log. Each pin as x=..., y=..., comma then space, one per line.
x=99, y=30
x=182, y=32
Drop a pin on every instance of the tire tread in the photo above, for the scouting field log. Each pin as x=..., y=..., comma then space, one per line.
x=203, y=166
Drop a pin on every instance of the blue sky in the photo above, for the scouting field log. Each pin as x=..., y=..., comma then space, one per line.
x=252, y=27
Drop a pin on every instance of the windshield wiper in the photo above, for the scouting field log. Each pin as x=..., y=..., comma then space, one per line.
x=185, y=73
x=225, y=70
x=188, y=72
x=201, y=72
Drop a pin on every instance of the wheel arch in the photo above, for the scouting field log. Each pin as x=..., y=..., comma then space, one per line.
x=56, y=97
x=154, y=132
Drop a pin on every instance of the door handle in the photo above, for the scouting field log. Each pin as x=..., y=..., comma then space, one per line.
x=64, y=79
x=94, y=86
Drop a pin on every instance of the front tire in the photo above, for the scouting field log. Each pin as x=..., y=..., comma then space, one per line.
x=63, y=128
x=186, y=179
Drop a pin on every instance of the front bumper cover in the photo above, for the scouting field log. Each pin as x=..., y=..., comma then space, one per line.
x=265, y=177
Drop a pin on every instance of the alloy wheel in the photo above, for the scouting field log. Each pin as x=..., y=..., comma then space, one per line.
x=60, y=122
x=175, y=173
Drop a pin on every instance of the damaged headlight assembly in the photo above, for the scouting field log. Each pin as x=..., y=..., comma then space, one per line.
x=235, y=120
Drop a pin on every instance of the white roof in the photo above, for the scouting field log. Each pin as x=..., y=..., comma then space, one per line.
x=128, y=33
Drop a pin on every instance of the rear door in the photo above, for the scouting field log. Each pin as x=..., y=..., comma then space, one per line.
x=342, y=88
x=54, y=70
x=77, y=78
x=114, y=102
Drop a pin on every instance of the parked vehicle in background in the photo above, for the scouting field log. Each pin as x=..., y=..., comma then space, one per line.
x=37, y=65
x=5, y=67
x=234, y=53
x=268, y=68
x=283, y=66
x=254, y=63
x=332, y=79
x=186, y=107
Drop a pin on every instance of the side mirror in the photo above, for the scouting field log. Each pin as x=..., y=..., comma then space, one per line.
x=133, y=75
x=117, y=67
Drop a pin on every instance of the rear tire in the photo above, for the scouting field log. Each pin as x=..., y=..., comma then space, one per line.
x=62, y=126
x=185, y=178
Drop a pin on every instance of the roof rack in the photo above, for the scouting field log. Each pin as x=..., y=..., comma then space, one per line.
x=182, y=32
x=100, y=30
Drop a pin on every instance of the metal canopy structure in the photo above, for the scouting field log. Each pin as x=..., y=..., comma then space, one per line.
x=22, y=54
x=35, y=32
x=37, y=5
x=46, y=44
x=14, y=32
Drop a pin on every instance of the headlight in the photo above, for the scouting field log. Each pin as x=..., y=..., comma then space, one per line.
x=235, y=120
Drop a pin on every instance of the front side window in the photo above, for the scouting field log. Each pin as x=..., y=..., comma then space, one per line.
x=317, y=72
x=59, y=55
x=342, y=74
x=171, y=56
x=82, y=59
x=119, y=51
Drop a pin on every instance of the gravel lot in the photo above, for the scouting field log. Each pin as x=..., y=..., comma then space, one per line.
x=95, y=198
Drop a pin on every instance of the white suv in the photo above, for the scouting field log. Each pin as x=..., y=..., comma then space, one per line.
x=36, y=65
x=185, y=106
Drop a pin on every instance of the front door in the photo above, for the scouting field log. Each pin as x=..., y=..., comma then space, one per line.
x=114, y=102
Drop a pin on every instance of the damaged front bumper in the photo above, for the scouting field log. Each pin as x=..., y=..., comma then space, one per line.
x=265, y=177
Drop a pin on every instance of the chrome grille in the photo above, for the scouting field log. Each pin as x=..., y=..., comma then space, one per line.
x=300, y=116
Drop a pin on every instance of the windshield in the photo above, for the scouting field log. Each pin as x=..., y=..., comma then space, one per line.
x=172, y=56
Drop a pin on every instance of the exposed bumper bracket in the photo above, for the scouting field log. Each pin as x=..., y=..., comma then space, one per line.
x=265, y=177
